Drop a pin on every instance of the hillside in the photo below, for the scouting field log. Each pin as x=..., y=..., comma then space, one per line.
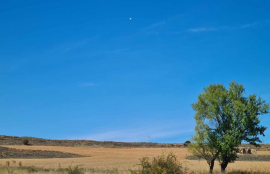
x=33, y=154
x=14, y=140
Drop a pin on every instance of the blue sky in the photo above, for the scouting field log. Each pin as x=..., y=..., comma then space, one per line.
x=84, y=70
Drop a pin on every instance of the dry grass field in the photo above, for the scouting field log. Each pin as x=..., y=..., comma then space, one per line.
x=125, y=158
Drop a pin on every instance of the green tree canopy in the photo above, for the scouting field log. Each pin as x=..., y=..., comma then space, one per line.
x=225, y=118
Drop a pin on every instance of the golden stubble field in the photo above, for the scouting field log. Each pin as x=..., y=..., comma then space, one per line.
x=125, y=158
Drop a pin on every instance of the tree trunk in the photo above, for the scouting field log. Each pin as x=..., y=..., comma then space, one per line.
x=211, y=166
x=223, y=166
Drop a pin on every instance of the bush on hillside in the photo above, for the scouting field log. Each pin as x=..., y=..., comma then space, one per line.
x=25, y=141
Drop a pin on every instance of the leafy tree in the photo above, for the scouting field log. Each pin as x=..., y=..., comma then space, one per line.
x=225, y=118
x=187, y=143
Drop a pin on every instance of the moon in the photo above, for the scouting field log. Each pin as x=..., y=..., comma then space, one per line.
x=130, y=19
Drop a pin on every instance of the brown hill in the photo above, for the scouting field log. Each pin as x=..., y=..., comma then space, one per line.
x=14, y=140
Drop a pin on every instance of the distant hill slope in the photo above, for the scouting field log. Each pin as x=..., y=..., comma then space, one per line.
x=14, y=140
x=33, y=154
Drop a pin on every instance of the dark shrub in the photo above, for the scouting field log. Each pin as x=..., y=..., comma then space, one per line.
x=160, y=165
x=25, y=141
x=187, y=143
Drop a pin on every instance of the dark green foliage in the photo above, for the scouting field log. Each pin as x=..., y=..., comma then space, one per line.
x=25, y=141
x=160, y=165
x=187, y=143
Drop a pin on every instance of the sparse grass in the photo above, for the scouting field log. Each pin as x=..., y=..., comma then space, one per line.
x=248, y=157
x=158, y=165
x=119, y=160
x=72, y=170
x=235, y=172
x=12, y=167
x=29, y=170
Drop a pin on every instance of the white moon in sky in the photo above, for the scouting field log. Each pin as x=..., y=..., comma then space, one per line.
x=130, y=19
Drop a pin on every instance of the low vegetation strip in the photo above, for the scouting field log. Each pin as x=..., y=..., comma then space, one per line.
x=7, y=153
x=248, y=157
x=79, y=170
x=14, y=140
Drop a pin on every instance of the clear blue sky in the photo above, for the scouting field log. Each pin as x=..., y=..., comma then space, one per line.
x=84, y=70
